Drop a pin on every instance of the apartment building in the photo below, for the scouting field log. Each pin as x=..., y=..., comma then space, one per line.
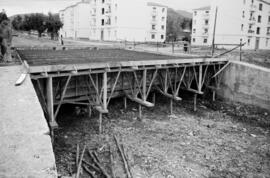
x=116, y=20
x=242, y=20
x=76, y=20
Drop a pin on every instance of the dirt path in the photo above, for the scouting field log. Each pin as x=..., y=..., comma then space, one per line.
x=207, y=143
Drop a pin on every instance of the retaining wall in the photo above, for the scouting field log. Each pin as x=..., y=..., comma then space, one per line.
x=246, y=83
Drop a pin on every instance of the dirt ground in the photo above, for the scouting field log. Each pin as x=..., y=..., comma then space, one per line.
x=219, y=140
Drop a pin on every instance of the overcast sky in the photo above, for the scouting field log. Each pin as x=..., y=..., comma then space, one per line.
x=13, y=7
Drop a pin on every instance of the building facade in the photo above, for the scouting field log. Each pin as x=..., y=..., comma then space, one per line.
x=115, y=20
x=247, y=21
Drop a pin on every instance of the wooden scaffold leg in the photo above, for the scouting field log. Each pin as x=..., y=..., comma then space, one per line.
x=195, y=101
x=125, y=102
x=49, y=89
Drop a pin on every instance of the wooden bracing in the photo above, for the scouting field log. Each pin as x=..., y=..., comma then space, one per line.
x=96, y=88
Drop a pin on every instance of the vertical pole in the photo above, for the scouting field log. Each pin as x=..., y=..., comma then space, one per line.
x=125, y=102
x=97, y=85
x=195, y=102
x=200, y=78
x=100, y=123
x=144, y=84
x=157, y=45
x=214, y=33
x=140, y=112
x=105, y=88
x=49, y=91
x=166, y=81
x=89, y=111
x=240, y=49
x=214, y=95
x=171, y=106
x=154, y=98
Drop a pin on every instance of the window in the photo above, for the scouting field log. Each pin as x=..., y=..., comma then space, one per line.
x=153, y=17
x=268, y=19
x=260, y=7
x=243, y=14
x=244, y=1
x=154, y=8
x=258, y=30
x=162, y=37
x=259, y=19
x=267, y=42
x=153, y=27
x=194, y=40
x=162, y=27
x=205, y=40
x=115, y=34
x=194, y=30
x=103, y=1
x=163, y=9
x=102, y=22
x=163, y=18
x=115, y=20
x=206, y=30
x=207, y=12
x=153, y=36
x=249, y=42
x=115, y=6
x=268, y=31
x=242, y=27
x=206, y=22
x=195, y=13
x=102, y=11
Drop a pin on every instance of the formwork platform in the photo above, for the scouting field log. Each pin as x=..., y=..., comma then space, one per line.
x=93, y=77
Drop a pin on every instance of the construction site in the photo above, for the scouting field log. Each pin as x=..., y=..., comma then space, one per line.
x=97, y=109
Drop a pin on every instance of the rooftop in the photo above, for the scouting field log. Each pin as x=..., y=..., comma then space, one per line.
x=155, y=4
x=203, y=8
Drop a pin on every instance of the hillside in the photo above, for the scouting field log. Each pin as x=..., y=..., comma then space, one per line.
x=184, y=14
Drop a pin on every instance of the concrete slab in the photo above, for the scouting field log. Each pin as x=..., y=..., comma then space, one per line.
x=25, y=146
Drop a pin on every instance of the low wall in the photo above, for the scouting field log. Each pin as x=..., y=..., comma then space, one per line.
x=246, y=83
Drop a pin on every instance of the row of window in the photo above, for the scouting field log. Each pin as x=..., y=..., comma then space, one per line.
x=252, y=3
x=153, y=36
x=154, y=27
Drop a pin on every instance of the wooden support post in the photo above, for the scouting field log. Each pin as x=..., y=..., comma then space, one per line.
x=144, y=84
x=125, y=102
x=214, y=95
x=100, y=123
x=154, y=98
x=49, y=89
x=240, y=49
x=200, y=78
x=105, y=88
x=195, y=101
x=171, y=106
x=89, y=111
x=97, y=85
x=140, y=112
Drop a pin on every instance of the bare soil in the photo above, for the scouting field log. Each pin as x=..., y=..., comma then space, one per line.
x=219, y=140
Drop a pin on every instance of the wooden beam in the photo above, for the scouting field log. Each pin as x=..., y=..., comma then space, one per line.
x=176, y=98
x=101, y=110
x=195, y=91
x=105, y=90
x=141, y=102
x=223, y=68
x=144, y=96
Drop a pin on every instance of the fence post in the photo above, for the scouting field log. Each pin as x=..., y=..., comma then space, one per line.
x=240, y=49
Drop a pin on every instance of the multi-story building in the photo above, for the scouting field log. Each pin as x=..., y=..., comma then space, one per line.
x=116, y=20
x=242, y=20
x=76, y=20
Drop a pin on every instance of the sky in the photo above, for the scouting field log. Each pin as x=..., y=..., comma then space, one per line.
x=13, y=7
